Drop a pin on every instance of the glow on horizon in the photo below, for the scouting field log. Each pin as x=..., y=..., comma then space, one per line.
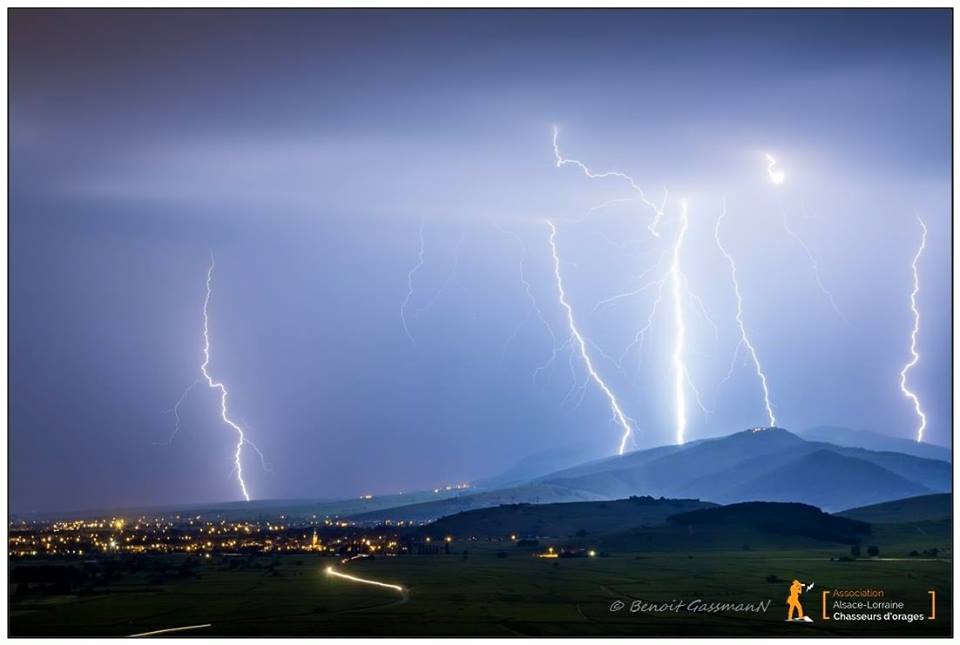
x=333, y=572
x=582, y=345
x=744, y=338
x=915, y=356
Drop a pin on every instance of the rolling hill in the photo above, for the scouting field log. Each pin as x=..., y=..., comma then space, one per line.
x=913, y=509
x=574, y=519
x=745, y=526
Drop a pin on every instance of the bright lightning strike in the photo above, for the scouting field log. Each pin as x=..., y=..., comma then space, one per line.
x=241, y=439
x=582, y=344
x=776, y=176
x=406, y=300
x=744, y=338
x=680, y=377
x=332, y=572
x=562, y=161
x=915, y=357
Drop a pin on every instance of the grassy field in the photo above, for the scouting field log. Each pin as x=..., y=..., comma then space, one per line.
x=484, y=594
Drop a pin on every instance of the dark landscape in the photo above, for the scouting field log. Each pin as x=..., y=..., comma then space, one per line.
x=550, y=556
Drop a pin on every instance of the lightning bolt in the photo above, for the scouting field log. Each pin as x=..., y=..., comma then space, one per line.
x=744, y=338
x=215, y=385
x=175, y=410
x=641, y=334
x=915, y=357
x=778, y=177
x=406, y=300
x=451, y=278
x=582, y=344
x=562, y=161
x=533, y=308
x=680, y=376
x=815, y=266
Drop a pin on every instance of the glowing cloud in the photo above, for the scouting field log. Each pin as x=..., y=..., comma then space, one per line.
x=914, y=356
x=776, y=176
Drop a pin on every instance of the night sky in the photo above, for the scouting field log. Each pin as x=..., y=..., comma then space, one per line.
x=306, y=149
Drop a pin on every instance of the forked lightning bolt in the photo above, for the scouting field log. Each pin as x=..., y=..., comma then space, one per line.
x=815, y=266
x=778, y=177
x=914, y=356
x=215, y=385
x=562, y=161
x=744, y=338
x=582, y=344
x=533, y=307
x=175, y=410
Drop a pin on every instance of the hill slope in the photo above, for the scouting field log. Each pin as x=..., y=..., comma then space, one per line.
x=746, y=526
x=562, y=520
x=772, y=465
x=848, y=437
x=913, y=509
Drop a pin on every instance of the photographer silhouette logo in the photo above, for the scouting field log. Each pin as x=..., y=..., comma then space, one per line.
x=793, y=602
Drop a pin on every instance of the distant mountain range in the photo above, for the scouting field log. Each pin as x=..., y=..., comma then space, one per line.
x=829, y=467
x=769, y=464
x=875, y=441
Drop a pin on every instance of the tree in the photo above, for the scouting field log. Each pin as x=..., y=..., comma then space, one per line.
x=855, y=550
x=873, y=551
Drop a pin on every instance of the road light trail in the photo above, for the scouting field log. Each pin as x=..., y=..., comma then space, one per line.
x=169, y=630
x=562, y=161
x=215, y=385
x=332, y=572
x=914, y=355
x=582, y=344
x=406, y=300
x=744, y=337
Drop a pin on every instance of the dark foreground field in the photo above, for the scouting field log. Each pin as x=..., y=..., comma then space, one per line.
x=486, y=594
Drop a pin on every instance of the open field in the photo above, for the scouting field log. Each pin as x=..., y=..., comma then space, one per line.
x=483, y=594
